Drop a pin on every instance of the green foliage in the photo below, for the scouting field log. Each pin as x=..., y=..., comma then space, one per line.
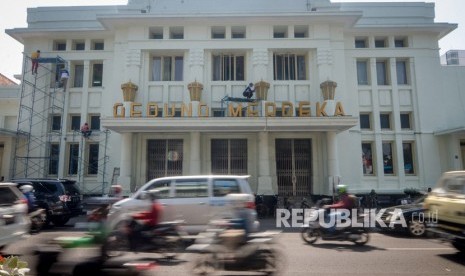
x=12, y=266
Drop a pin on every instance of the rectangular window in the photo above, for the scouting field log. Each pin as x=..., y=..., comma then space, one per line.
x=78, y=76
x=54, y=159
x=218, y=32
x=56, y=123
x=59, y=45
x=401, y=69
x=289, y=67
x=92, y=161
x=73, y=159
x=388, y=162
x=229, y=156
x=385, y=121
x=365, y=121
x=405, y=121
x=362, y=72
x=176, y=32
x=381, y=73
x=75, y=122
x=167, y=68
x=409, y=166
x=400, y=42
x=156, y=33
x=367, y=158
x=97, y=74
x=301, y=31
x=279, y=31
x=222, y=187
x=228, y=67
x=79, y=45
x=238, y=32
x=380, y=43
x=191, y=188
x=98, y=45
x=361, y=43
x=95, y=122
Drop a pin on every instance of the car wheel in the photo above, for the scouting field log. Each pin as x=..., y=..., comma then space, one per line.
x=459, y=245
x=416, y=228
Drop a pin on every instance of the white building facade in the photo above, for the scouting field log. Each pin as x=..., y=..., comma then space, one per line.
x=344, y=92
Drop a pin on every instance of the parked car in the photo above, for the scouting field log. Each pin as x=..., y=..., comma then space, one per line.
x=60, y=198
x=415, y=216
x=194, y=199
x=14, y=221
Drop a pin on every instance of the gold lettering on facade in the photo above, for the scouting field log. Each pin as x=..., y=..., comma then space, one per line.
x=116, y=108
x=320, y=110
x=166, y=112
x=287, y=109
x=235, y=112
x=186, y=109
x=251, y=112
x=134, y=111
x=203, y=106
x=272, y=112
x=339, y=110
x=152, y=109
x=304, y=109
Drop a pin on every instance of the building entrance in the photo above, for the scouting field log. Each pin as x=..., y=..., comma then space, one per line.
x=294, y=167
x=164, y=158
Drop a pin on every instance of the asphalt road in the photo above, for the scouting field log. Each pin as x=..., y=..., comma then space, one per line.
x=391, y=254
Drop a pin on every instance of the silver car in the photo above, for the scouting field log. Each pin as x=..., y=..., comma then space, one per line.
x=14, y=221
x=195, y=199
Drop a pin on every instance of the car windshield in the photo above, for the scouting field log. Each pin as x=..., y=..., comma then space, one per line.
x=71, y=187
x=7, y=196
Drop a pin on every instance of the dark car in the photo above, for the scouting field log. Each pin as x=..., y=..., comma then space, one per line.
x=414, y=214
x=61, y=198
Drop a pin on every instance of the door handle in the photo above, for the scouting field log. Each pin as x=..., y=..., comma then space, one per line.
x=202, y=203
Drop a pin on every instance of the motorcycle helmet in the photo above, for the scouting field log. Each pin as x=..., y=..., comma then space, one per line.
x=341, y=189
x=26, y=188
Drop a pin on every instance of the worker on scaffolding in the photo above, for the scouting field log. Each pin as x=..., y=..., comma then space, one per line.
x=248, y=92
x=85, y=130
x=35, y=61
x=64, y=76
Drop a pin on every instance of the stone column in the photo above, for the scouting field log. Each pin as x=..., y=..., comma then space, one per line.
x=125, y=175
x=194, y=159
x=333, y=164
x=264, y=179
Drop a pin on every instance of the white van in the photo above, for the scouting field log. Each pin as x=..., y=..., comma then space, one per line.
x=194, y=199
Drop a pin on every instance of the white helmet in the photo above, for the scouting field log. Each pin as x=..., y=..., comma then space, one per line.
x=26, y=188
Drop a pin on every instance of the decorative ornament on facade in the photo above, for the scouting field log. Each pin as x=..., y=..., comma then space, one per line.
x=260, y=56
x=261, y=90
x=324, y=56
x=129, y=91
x=195, y=91
x=133, y=57
x=196, y=57
x=328, y=89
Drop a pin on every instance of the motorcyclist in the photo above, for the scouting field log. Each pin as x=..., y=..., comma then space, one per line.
x=149, y=219
x=28, y=192
x=345, y=201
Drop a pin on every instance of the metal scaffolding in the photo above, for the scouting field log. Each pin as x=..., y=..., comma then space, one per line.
x=41, y=99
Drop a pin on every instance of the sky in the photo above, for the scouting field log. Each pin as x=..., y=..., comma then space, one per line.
x=14, y=16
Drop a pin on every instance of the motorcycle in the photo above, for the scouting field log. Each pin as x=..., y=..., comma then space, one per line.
x=312, y=231
x=225, y=248
x=38, y=219
x=166, y=238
